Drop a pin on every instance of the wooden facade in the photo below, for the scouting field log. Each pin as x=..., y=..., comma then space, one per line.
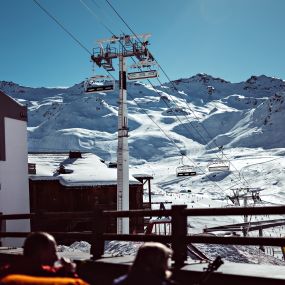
x=52, y=196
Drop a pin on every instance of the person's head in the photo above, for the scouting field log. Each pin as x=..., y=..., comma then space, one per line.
x=152, y=258
x=40, y=247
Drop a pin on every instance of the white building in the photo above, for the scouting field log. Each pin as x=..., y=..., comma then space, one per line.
x=14, y=185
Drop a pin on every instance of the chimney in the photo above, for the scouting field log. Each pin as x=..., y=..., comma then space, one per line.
x=75, y=154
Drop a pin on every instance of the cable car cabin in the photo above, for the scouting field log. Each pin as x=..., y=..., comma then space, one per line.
x=219, y=165
x=160, y=226
x=99, y=83
x=185, y=170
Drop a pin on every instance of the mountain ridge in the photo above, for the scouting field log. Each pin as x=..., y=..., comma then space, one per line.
x=201, y=111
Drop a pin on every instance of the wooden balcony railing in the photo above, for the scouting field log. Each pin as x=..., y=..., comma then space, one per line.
x=178, y=238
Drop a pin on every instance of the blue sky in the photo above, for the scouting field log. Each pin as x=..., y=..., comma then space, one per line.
x=224, y=38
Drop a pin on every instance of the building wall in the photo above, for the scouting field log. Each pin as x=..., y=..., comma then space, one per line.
x=14, y=192
x=51, y=196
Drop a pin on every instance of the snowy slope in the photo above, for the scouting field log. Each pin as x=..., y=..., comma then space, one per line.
x=246, y=118
x=234, y=114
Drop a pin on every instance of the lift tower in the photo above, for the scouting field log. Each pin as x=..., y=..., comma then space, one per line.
x=109, y=49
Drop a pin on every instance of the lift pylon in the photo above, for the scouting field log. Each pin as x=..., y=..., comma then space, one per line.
x=109, y=49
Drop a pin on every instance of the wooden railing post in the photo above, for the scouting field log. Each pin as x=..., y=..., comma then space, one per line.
x=98, y=243
x=179, y=231
x=38, y=221
x=2, y=226
x=260, y=234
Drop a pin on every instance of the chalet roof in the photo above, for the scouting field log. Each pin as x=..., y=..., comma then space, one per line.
x=143, y=175
x=86, y=171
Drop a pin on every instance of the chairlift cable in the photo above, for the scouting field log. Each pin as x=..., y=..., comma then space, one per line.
x=109, y=30
x=190, y=122
x=193, y=112
x=247, y=166
x=94, y=14
x=75, y=39
x=112, y=7
x=135, y=62
x=161, y=129
x=102, y=12
x=169, y=107
x=61, y=25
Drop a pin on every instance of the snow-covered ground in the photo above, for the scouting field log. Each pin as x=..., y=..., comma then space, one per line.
x=246, y=118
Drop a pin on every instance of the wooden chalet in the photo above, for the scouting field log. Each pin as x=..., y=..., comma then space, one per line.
x=62, y=182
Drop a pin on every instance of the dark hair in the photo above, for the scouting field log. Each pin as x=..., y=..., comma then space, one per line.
x=151, y=259
x=36, y=242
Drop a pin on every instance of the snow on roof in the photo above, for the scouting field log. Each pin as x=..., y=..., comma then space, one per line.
x=143, y=176
x=86, y=171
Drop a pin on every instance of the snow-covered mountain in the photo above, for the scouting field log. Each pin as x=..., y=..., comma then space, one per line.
x=196, y=112
x=195, y=115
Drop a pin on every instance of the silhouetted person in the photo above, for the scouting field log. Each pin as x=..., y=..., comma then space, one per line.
x=150, y=266
x=39, y=259
x=40, y=248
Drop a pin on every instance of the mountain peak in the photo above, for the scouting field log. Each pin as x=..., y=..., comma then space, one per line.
x=206, y=78
x=8, y=84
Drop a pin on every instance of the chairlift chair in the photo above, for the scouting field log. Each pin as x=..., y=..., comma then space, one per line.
x=146, y=70
x=219, y=166
x=185, y=170
x=99, y=83
x=211, y=89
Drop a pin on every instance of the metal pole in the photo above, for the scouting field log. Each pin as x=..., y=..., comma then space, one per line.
x=261, y=247
x=123, y=151
x=245, y=205
x=149, y=193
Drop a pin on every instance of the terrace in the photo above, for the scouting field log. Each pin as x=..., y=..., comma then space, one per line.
x=99, y=269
